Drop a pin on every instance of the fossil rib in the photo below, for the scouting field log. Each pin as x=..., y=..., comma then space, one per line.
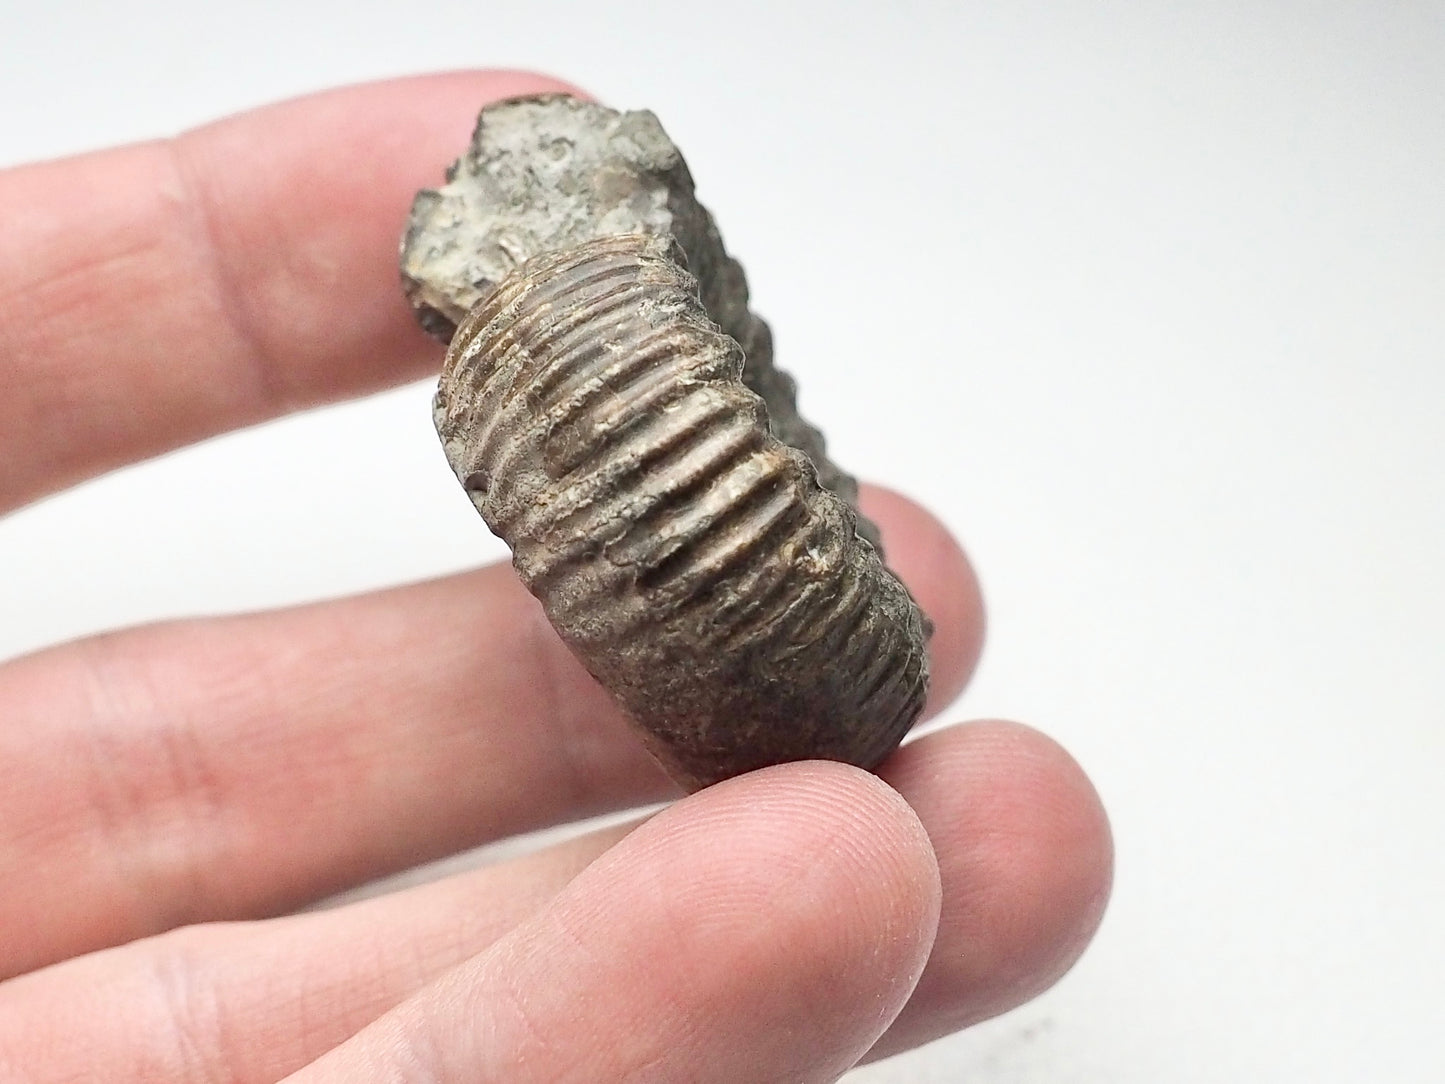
x=662, y=499
x=548, y=172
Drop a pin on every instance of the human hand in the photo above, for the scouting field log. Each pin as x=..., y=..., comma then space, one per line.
x=169, y=789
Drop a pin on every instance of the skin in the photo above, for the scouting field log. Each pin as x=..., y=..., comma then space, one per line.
x=175, y=793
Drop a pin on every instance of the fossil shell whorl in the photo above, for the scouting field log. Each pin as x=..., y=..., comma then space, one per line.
x=549, y=172
x=597, y=417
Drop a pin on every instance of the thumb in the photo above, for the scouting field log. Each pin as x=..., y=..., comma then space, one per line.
x=766, y=929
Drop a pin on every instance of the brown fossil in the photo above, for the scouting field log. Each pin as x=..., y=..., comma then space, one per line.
x=610, y=404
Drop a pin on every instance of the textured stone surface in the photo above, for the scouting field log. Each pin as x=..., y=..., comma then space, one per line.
x=550, y=172
x=661, y=498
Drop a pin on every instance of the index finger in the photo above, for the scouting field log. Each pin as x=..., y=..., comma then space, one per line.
x=155, y=294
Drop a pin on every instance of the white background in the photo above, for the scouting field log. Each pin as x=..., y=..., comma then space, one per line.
x=1146, y=299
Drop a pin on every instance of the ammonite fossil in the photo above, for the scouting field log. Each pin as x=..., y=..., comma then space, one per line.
x=611, y=407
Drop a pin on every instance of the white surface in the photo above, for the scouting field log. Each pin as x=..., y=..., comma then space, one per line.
x=1163, y=291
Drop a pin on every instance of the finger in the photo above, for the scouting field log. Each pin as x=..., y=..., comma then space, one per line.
x=1026, y=857
x=155, y=294
x=1021, y=843
x=249, y=1002
x=767, y=929
x=243, y=767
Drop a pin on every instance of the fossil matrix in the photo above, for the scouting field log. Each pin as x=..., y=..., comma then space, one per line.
x=610, y=404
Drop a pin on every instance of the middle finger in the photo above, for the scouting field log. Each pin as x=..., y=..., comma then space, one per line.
x=241, y=767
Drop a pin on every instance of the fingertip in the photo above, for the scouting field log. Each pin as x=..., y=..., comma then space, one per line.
x=929, y=560
x=842, y=851
x=1049, y=828
x=804, y=904
x=305, y=201
x=854, y=817
x=1025, y=854
x=515, y=82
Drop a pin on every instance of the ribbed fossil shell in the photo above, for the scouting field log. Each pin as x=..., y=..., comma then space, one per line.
x=600, y=419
